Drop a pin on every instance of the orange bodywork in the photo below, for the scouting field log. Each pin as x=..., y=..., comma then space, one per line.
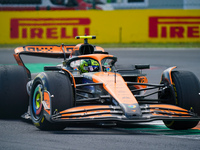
x=74, y=83
x=141, y=79
x=83, y=112
x=116, y=86
x=167, y=75
x=98, y=48
x=47, y=102
x=170, y=75
x=83, y=108
x=125, y=103
x=165, y=106
x=45, y=49
x=168, y=110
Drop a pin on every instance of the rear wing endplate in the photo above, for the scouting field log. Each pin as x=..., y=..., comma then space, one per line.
x=51, y=51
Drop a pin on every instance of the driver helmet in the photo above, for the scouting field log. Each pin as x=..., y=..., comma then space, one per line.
x=89, y=65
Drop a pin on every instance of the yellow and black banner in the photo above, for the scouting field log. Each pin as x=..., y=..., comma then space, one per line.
x=118, y=26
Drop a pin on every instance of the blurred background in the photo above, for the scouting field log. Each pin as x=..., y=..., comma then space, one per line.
x=97, y=4
x=112, y=21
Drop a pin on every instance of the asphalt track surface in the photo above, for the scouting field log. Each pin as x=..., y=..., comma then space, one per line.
x=20, y=134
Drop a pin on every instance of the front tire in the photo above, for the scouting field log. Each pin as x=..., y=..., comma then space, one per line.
x=57, y=85
x=186, y=87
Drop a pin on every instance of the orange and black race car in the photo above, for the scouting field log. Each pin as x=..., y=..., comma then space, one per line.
x=88, y=87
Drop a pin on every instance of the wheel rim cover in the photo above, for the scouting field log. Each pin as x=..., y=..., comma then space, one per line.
x=37, y=100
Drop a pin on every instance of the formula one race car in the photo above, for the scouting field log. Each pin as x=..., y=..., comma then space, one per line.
x=88, y=87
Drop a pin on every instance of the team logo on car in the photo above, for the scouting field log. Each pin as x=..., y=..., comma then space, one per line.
x=131, y=106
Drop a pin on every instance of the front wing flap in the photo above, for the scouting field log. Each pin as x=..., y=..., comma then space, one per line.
x=150, y=112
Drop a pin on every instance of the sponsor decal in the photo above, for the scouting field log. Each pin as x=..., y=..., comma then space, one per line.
x=125, y=97
x=45, y=49
x=131, y=106
x=40, y=49
x=48, y=28
x=174, y=27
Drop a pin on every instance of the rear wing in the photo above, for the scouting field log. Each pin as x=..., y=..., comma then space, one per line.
x=46, y=50
x=51, y=51
x=54, y=51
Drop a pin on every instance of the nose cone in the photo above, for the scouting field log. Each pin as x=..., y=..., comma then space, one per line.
x=115, y=85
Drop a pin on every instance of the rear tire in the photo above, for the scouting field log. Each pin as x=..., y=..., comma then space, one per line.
x=57, y=85
x=13, y=93
x=186, y=87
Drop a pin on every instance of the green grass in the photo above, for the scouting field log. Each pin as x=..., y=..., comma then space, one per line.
x=36, y=67
x=124, y=45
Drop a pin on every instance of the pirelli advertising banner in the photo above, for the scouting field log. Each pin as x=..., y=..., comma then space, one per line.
x=118, y=26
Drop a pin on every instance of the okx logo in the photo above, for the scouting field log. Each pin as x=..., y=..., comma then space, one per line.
x=174, y=27
x=48, y=28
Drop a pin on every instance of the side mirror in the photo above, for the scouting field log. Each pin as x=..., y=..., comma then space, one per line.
x=142, y=66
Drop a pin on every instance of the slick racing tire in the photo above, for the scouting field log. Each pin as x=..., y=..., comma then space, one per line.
x=13, y=94
x=187, y=88
x=61, y=91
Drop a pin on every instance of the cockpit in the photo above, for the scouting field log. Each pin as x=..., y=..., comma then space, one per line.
x=96, y=63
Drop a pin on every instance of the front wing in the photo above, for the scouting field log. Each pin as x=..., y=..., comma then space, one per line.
x=150, y=112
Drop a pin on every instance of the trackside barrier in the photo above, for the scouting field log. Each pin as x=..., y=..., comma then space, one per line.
x=118, y=26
